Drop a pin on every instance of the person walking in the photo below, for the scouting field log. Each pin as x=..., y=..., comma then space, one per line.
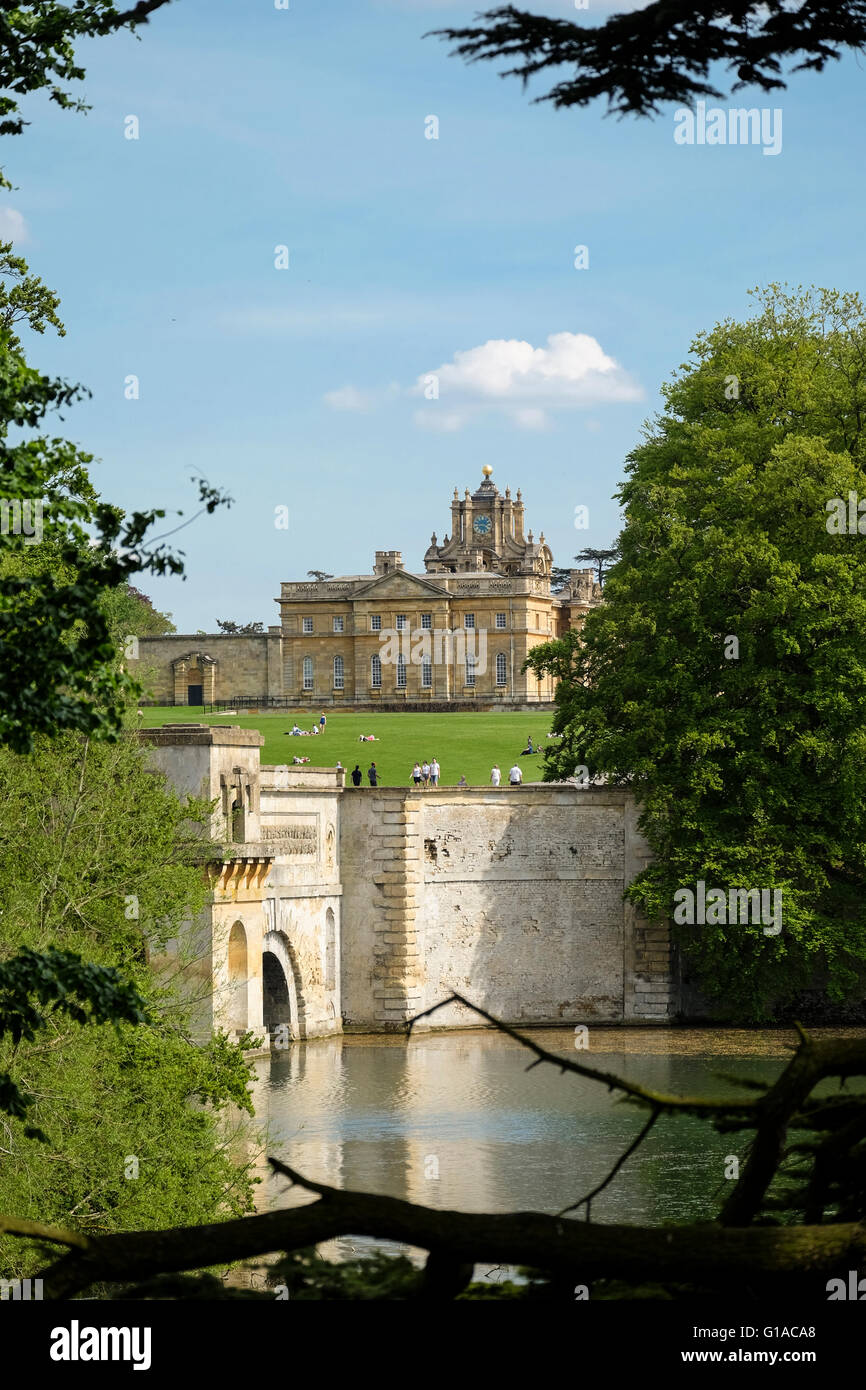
x=322, y=722
x=357, y=774
x=515, y=776
x=416, y=774
x=434, y=773
x=495, y=775
x=373, y=775
x=425, y=773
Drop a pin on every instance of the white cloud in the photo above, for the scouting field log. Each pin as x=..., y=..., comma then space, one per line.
x=349, y=398
x=509, y=376
x=12, y=225
x=526, y=382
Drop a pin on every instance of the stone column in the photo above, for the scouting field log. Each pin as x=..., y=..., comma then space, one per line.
x=649, y=988
x=395, y=862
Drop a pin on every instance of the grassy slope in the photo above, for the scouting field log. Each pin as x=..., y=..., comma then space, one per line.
x=464, y=743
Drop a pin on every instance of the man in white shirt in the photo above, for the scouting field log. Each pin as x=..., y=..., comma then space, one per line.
x=515, y=776
x=434, y=773
x=495, y=775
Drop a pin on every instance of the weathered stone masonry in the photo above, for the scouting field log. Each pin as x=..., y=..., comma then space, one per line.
x=351, y=908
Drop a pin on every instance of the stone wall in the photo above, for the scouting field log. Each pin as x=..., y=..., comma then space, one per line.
x=512, y=897
x=227, y=666
x=361, y=907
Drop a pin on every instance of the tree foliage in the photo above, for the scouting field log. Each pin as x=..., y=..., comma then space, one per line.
x=100, y=862
x=724, y=677
x=37, y=49
x=63, y=551
x=228, y=626
x=665, y=51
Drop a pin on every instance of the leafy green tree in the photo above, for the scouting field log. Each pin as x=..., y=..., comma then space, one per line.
x=102, y=863
x=664, y=51
x=63, y=551
x=37, y=49
x=132, y=613
x=724, y=677
x=228, y=626
x=601, y=559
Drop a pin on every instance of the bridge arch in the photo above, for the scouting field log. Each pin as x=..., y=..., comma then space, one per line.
x=283, y=998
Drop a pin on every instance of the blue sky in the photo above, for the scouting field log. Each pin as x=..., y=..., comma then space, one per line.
x=407, y=256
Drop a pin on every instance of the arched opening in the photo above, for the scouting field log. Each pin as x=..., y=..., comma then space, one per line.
x=283, y=1001
x=276, y=1001
x=238, y=1010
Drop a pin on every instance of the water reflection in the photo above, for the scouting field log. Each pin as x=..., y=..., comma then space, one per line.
x=455, y=1120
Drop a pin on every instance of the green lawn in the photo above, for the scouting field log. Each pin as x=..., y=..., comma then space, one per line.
x=467, y=744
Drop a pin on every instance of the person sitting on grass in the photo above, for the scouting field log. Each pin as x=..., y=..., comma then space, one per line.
x=463, y=782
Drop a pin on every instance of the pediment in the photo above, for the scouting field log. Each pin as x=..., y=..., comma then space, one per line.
x=399, y=584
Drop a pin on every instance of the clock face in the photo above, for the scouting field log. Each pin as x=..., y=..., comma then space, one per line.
x=481, y=525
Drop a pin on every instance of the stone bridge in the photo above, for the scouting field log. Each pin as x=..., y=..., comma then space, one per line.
x=335, y=908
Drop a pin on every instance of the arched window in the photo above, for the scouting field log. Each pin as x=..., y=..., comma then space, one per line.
x=501, y=668
x=376, y=672
x=338, y=673
x=237, y=963
x=308, y=673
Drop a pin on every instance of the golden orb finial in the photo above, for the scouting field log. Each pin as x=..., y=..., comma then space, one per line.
x=487, y=470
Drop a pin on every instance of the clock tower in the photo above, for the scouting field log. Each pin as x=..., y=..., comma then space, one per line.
x=487, y=536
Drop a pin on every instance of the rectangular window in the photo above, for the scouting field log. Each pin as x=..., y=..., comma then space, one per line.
x=470, y=670
x=469, y=620
x=338, y=624
x=426, y=675
x=427, y=620
x=308, y=624
x=338, y=673
x=401, y=621
x=401, y=674
x=375, y=622
x=308, y=672
x=501, y=620
x=376, y=672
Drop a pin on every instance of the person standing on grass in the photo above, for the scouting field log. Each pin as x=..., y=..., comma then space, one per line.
x=373, y=775
x=515, y=776
x=357, y=774
x=425, y=773
x=416, y=774
x=495, y=775
x=435, y=771
x=322, y=722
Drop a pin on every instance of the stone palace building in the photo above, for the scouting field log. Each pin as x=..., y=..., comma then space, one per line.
x=456, y=635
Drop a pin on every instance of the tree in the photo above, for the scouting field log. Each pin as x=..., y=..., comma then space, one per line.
x=37, y=49
x=602, y=559
x=239, y=628
x=318, y=574
x=62, y=549
x=724, y=677
x=103, y=864
x=132, y=613
x=664, y=52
